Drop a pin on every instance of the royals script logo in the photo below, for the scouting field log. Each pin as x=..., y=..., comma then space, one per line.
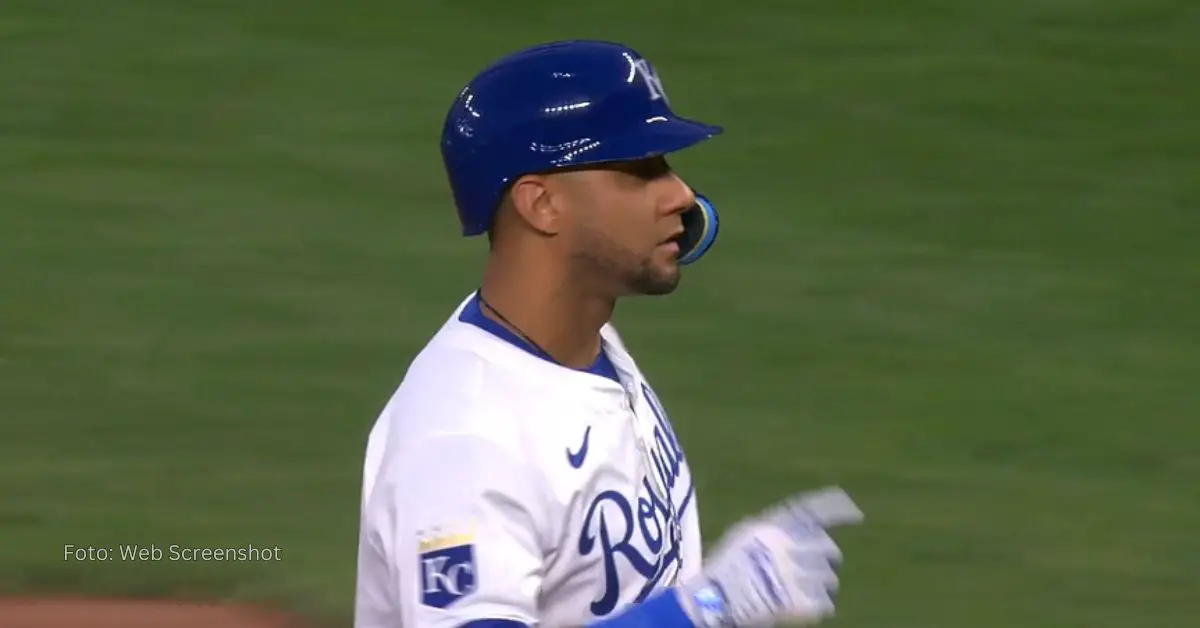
x=639, y=532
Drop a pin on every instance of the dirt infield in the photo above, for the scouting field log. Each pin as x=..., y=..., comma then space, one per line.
x=118, y=613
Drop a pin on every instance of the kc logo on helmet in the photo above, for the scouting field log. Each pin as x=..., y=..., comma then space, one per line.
x=650, y=78
x=448, y=570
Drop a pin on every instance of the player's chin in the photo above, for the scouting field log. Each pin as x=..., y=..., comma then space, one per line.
x=661, y=279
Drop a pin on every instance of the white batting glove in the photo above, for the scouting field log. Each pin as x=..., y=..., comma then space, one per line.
x=777, y=567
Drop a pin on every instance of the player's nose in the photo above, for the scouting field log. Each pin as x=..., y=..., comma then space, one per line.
x=677, y=195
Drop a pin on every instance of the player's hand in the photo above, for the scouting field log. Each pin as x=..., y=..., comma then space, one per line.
x=777, y=567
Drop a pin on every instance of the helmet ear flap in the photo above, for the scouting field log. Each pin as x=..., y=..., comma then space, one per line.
x=700, y=226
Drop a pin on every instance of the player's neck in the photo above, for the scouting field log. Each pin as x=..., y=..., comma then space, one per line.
x=556, y=315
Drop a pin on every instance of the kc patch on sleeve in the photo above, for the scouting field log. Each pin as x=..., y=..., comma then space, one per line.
x=448, y=571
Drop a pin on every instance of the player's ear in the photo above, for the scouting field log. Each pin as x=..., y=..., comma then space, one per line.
x=533, y=201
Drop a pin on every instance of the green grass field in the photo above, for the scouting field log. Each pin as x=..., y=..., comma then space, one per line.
x=958, y=274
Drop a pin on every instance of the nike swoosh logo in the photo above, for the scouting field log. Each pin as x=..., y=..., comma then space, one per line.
x=576, y=459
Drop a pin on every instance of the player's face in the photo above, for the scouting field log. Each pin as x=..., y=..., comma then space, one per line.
x=625, y=220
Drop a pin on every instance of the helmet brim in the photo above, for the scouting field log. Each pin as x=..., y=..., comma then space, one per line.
x=659, y=135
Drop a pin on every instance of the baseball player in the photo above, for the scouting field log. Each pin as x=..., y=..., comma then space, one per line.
x=525, y=473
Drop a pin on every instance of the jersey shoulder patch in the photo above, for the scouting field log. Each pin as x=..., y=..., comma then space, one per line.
x=448, y=568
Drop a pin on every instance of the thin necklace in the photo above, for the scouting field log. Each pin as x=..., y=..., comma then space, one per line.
x=524, y=336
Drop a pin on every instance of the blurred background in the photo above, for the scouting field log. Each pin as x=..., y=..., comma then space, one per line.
x=958, y=274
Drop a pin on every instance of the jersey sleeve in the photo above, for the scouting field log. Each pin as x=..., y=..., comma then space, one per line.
x=455, y=518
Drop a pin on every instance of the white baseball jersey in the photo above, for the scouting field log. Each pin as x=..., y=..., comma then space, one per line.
x=504, y=489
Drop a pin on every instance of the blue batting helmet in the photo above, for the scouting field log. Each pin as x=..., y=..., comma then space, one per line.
x=561, y=104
